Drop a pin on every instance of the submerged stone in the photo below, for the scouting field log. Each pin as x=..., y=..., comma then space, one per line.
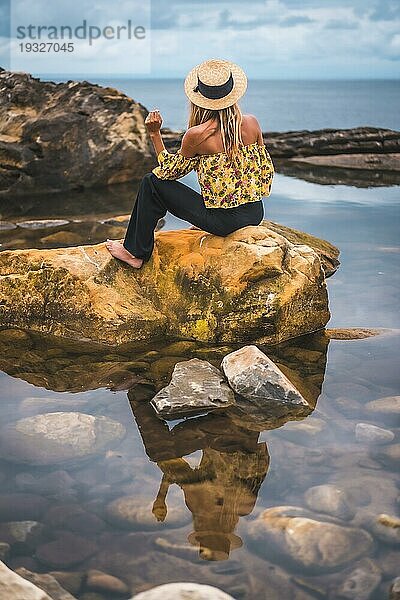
x=254, y=284
x=135, y=512
x=309, y=544
x=371, y=434
x=59, y=437
x=330, y=499
x=196, y=386
x=361, y=582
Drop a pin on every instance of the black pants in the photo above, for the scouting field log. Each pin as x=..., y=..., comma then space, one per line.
x=157, y=196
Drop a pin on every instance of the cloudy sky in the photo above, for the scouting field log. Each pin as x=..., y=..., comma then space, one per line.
x=279, y=39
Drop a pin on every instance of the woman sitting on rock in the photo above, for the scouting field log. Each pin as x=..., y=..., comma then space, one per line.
x=224, y=147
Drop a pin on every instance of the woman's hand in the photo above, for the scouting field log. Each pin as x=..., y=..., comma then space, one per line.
x=153, y=121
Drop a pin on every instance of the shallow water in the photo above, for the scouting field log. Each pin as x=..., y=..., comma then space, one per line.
x=221, y=471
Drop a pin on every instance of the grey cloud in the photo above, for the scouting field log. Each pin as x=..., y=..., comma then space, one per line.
x=385, y=10
x=294, y=20
x=337, y=24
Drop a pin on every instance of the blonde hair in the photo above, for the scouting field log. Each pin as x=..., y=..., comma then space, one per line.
x=230, y=123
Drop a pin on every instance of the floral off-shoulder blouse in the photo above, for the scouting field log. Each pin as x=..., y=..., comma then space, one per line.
x=223, y=184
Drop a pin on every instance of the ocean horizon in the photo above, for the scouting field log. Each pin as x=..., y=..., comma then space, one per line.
x=280, y=105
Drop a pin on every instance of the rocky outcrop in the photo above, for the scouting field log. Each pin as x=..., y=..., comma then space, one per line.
x=253, y=285
x=63, y=136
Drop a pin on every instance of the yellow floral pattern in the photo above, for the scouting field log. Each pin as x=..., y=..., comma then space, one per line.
x=224, y=184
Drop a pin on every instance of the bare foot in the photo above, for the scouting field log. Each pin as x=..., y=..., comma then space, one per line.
x=118, y=251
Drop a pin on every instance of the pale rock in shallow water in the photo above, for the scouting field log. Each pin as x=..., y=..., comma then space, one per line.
x=385, y=407
x=361, y=582
x=389, y=455
x=47, y=583
x=329, y=499
x=58, y=437
x=371, y=434
x=196, y=386
x=395, y=589
x=183, y=591
x=4, y=550
x=312, y=545
x=255, y=377
x=13, y=586
x=134, y=512
x=383, y=526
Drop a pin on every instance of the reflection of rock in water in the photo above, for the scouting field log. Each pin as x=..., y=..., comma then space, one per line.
x=70, y=366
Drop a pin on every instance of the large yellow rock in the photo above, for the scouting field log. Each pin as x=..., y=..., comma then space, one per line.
x=253, y=285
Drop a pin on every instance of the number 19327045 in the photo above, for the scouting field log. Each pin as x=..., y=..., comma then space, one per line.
x=46, y=47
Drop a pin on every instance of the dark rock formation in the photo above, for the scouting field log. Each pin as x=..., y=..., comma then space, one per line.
x=64, y=136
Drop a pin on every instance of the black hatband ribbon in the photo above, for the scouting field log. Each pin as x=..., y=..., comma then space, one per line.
x=214, y=92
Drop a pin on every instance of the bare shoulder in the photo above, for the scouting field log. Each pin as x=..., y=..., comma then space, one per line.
x=189, y=141
x=252, y=127
x=251, y=122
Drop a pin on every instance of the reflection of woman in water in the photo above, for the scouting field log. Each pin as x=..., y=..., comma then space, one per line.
x=221, y=489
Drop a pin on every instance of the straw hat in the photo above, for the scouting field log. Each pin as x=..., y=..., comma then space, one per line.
x=215, y=84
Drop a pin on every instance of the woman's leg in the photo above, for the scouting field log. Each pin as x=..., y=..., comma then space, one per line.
x=155, y=197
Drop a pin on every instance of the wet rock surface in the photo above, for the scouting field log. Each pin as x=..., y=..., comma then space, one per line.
x=191, y=288
x=196, y=386
x=63, y=136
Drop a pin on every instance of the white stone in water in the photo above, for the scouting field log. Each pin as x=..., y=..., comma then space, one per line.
x=255, y=377
x=58, y=437
x=196, y=386
x=331, y=500
x=42, y=223
x=183, y=591
x=371, y=434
